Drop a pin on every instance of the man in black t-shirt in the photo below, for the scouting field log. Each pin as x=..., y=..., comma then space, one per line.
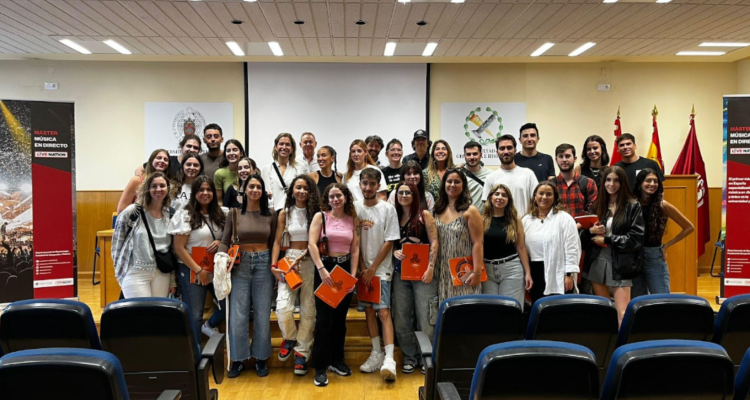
x=542, y=164
x=632, y=163
x=392, y=172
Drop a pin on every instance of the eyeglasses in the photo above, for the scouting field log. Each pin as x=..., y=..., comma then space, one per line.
x=404, y=193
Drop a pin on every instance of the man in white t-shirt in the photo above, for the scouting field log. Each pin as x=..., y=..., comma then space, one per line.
x=521, y=181
x=307, y=144
x=379, y=230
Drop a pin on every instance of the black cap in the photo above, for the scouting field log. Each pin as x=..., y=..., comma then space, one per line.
x=421, y=134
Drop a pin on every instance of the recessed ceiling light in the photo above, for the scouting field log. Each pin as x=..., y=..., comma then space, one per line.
x=663, y=1
x=457, y=1
x=581, y=49
x=701, y=53
x=75, y=46
x=390, y=48
x=236, y=49
x=429, y=49
x=276, y=49
x=723, y=44
x=251, y=1
x=404, y=1
x=610, y=1
x=360, y=23
x=299, y=22
x=117, y=46
x=538, y=52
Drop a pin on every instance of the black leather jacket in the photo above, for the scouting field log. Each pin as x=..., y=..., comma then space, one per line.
x=626, y=244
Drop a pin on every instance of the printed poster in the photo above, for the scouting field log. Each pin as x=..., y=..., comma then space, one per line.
x=168, y=122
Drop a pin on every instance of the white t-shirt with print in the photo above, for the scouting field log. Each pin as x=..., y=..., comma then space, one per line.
x=379, y=225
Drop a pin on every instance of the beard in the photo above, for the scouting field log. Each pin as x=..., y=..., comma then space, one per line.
x=512, y=158
x=566, y=170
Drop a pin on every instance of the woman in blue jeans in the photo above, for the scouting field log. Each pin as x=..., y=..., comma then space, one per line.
x=505, y=255
x=656, y=212
x=410, y=297
x=253, y=228
x=199, y=224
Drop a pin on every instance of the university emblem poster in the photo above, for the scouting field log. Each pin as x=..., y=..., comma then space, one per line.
x=168, y=122
x=37, y=201
x=482, y=123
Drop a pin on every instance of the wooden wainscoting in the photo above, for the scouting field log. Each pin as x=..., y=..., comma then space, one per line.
x=94, y=212
x=682, y=258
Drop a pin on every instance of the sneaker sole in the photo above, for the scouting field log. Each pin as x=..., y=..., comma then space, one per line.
x=389, y=376
x=408, y=371
x=300, y=372
x=321, y=383
x=284, y=358
x=338, y=372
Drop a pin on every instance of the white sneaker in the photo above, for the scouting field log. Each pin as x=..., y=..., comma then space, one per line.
x=388, y=370
x=373, y=363
x=207, y=330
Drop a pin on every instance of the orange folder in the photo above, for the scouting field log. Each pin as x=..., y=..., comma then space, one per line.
x=232, y=252
x=369, y=293
x=203, y=259
x=291, y=276
x=415, y=264
x=342, y=281
x=462, y=266
x=587, y=221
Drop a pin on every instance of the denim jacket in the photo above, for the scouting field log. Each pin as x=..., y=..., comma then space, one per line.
x=122, y=238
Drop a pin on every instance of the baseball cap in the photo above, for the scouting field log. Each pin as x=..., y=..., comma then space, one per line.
x=421, y=134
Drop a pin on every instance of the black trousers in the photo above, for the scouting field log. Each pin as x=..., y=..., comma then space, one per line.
x=537, y=275
x=330, y=325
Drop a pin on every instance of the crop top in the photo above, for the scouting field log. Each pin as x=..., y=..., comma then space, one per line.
x=253, y=228
x=296, y=223
x=340, y=233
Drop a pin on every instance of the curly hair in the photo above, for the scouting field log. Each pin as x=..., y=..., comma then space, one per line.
x=313, y=198
x=348, y=206
x=215, y=214
x=653, y=212
x=557, y=204
x=510, y=217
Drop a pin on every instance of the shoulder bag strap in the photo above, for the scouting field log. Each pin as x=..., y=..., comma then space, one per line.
x=281, y=178
x=323, y=214
x=235, y=223
x=583, y=183
x=474, y=177
x=148, y=230
x=207, y=221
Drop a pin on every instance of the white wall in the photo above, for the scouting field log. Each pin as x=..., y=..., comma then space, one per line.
x=109, y=105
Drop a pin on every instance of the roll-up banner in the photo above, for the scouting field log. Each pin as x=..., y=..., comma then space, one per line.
x=37, y=201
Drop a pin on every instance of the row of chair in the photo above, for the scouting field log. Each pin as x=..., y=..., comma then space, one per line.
x=468, y=324
x=658, y=369
x=153, y=338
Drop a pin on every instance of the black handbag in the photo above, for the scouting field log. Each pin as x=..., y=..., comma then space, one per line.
x=166, y=261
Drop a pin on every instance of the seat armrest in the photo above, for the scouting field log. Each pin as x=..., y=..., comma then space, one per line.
x=214, y=352
x=429, y=378
x=425, y=346
x=170, y=395
x=446, y=391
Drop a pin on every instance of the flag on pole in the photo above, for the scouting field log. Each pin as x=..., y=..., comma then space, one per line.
x=616, y=157
x=690, y=162
x=654, y=151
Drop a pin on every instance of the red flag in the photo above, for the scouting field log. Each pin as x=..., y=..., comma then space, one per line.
x=690, y=162
x=616, y=157
x=654, y=150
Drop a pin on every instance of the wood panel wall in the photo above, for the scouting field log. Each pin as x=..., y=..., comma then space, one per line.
x=94, y=211
x=682, y=258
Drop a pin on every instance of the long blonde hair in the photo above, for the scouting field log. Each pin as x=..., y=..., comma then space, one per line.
x=432, y=170
x=510, y=217
x=292, y=156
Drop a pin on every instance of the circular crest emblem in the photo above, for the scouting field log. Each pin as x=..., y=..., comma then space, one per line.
x=188, y=122
x=488, y=124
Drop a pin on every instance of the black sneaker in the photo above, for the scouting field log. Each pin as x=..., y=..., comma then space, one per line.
x=237, y=367
x=260, y=368
x=340, y=368
x=408, y=368
x=287, y=349
x=300, y=367
x=321, y=378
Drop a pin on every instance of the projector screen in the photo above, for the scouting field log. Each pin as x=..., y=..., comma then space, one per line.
x=336, y=102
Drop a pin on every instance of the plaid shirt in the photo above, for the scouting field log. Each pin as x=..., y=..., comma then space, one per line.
x=572, y=196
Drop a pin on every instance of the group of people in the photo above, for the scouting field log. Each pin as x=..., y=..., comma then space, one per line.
x=515, y=225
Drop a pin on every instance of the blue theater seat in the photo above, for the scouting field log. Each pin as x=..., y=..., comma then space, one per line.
x=732, y=327
x=159, y=350
x=669, y=369
x=532, y=369
x=465, y=326
x=666, y=316
x=64, y=373
x=36, y=324
x=742, y=379
x=590, y=321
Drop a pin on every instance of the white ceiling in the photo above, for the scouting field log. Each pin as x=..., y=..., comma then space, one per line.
x=485, y=29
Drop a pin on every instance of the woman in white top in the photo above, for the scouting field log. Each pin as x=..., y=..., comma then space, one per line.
x=191, y=167
x=302, y=203
x=282, y=170
x=411, y=173
x=199, y=224
x=359, y=159
x=552, y=243
x=132, y=253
